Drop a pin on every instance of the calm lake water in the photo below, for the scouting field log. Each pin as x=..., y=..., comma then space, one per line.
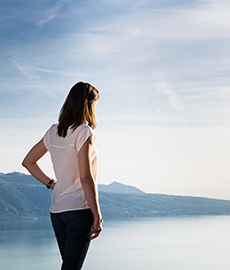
x=191, y=243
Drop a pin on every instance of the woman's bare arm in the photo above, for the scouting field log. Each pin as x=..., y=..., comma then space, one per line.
x=30, y=163
x=88, y=185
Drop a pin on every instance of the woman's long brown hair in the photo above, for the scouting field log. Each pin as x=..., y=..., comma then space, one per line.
x=78, y=108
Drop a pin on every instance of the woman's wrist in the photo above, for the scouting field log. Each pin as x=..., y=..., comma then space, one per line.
x=100, y=220
x=51, y=184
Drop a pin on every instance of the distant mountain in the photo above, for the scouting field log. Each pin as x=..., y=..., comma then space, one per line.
x=23, y=197
x=17, y=177
x=116, y=187
x=117, y=205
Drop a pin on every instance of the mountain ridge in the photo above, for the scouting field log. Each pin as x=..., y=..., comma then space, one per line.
x=116, y=187
x=27, y=198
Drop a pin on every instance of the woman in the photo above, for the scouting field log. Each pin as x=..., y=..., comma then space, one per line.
x=74, y=208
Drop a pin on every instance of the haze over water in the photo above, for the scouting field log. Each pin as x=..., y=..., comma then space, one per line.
x=190, y=243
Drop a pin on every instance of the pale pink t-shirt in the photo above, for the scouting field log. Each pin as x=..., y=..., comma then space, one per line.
x=68, y=193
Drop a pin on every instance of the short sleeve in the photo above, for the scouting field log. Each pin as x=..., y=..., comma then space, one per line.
x=46, y=139
x=82, y=137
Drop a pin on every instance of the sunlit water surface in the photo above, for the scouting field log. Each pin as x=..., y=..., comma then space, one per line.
x=187, y=243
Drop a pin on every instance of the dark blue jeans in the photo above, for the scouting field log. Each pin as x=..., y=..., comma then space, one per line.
x=72, y=230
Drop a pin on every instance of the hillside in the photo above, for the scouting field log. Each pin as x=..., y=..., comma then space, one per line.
x=23, y=197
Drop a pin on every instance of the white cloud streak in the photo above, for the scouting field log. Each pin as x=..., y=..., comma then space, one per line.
x=51, y=14
x=32, y=76
x=188, y=23
x=58, y=72
x=173, y=99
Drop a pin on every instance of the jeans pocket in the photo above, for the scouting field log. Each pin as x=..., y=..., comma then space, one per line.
x=72, y=217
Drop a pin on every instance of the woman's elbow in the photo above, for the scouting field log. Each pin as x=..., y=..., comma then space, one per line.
x=24, y=164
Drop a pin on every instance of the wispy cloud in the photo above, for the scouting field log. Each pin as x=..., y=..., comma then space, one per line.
x=57, y=72
x=172, y=97
x=50, y=14
x=32, y=76
x=203, y=20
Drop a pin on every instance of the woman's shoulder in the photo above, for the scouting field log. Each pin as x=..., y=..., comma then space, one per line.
x=82, y=131
x=83, y=127
x=53, y=128
x=50, y=133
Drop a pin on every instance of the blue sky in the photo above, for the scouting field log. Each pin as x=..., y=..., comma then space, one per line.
x=162, y=69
